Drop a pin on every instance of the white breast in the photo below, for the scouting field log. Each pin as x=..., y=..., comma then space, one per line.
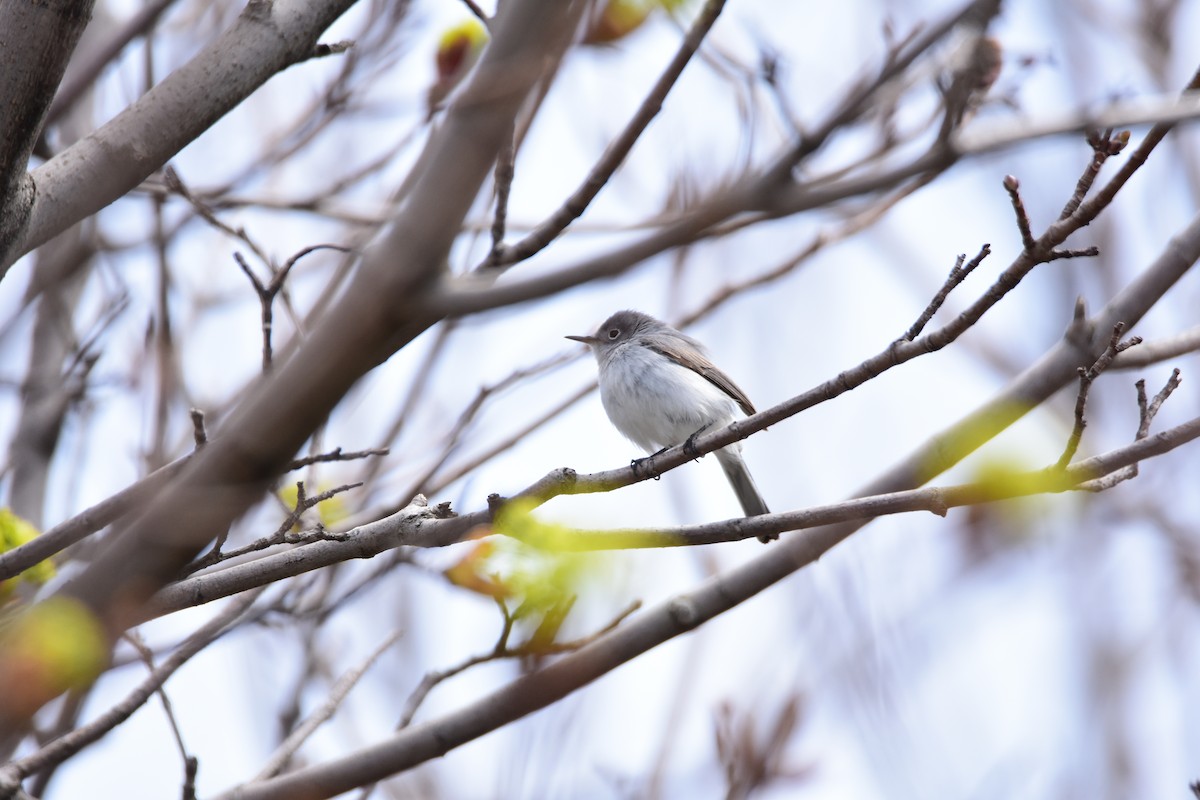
x=657, y=403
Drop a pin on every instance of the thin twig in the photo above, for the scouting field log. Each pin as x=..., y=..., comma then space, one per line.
x=434, y=483
x=1090, y=209
x=1152, y=409
x=68, y=745
x=267, y=292
x=334, y=455
x=504, y=178
x=855, y=223
x=501, y=650
x=1146, y=413
x=957, y=275
x=475, y=9
x=1104, y=146
x=1086, y=377
x=326, y=49
x=1013, y=187
x=147, y=657
x=176, y=185
x=282, y=535
x=349, y=679
x=1081, y=252
x=616, y=152
x=414, y=393
x=453, y=440
x=1153, y=352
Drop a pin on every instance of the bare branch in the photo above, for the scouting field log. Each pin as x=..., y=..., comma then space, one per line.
x=283, y=754
x=614, y=155
x=1117, y=115
x=88, y=521
x=678, y=615
x=1012, y=186
x=334, y=455
x=1104, y=146
x=957, y=275
x=115, y=158
x=66, y=746
x=268, y=291
x=1086, y=378
x=1154, y=352
x=504, y=179
x=378, y=313
x=1146, y=413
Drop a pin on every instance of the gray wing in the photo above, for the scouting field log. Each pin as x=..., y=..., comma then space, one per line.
x=698, y=362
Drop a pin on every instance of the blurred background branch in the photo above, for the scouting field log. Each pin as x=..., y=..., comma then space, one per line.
x=790, y=185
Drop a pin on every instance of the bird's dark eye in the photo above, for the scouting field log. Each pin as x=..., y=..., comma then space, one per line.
x=614, y=333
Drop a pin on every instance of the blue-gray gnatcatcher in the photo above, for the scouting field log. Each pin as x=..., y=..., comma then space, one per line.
x=659, y=388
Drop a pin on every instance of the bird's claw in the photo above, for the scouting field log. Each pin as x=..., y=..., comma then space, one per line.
x=638, y=465
x=689, y=445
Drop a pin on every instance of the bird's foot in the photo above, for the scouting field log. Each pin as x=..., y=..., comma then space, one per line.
x=689, y=446
x=645, y=466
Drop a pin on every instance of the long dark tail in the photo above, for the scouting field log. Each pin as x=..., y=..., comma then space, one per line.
x=743, y=486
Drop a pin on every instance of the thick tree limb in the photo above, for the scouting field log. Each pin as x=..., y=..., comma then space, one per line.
x=378, y=313
x=415, y=526
x=685, y=612
x=267, y=38
x=936, y=499
x=37, y=40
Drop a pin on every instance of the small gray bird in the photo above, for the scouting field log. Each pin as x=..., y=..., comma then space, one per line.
x=659, y=388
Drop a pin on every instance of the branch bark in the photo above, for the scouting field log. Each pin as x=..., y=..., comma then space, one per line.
x=685, y=612
x=377, y=314
x=267, y=38
x=37, y=40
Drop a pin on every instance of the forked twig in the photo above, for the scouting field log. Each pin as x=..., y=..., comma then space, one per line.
x=1086, y=377
x=1146, y=413
x=502, y=651
x=957, y=275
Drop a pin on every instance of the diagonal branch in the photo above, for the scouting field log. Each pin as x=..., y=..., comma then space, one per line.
x=935, y=499
x=412, y=746
x=719, y=594
x=769, y=190
x=38, y=41
x=287, y=749
x=506, y=255
x=379, y=312
x=114, y=159
x=1087, y=376
x=64, y=747
x=418, y=525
